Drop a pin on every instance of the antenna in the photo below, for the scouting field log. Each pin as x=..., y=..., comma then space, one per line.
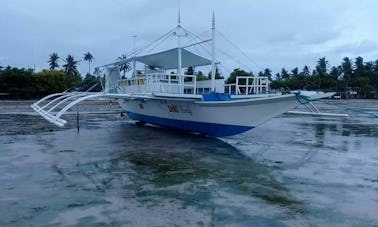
x=179, y=13
x=134, y=37
x=213, y=21
x=134, y=62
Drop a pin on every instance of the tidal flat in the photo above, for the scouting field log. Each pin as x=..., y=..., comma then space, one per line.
x=291, y=171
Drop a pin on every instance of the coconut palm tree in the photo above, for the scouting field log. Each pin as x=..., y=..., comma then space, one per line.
x=97, y=71
x=124, y=66
x=71, y=66
x=89, y=58
x=53, y=61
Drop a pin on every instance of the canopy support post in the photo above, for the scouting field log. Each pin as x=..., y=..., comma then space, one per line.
x=180, y=64
x=179, y=49
x=213, y=69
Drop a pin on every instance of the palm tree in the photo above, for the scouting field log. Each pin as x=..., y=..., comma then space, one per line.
x=124, y=66
x=71, y=66
x=97, y=71
x=89, y=58
x=53, y=61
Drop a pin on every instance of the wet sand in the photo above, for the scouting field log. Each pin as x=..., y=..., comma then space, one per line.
x=291, y=171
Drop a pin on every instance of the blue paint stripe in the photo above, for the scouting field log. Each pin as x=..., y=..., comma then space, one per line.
x=211, y=129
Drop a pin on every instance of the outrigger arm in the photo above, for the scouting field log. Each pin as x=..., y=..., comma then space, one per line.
x=62, y=102
x=306, y=100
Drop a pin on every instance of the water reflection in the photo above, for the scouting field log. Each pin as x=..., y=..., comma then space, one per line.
x=152, y=162
x=348, y=127
x=121, y=167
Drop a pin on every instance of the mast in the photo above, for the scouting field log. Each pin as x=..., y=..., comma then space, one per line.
x=179, y=16
x=213, y=69
x=134, y=62
x=179, y=60
x=179, y=56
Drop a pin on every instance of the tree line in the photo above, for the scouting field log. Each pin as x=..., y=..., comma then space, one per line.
x=22, y=83
x=351, y=78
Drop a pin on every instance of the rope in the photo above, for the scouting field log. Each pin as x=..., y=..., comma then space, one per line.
x=140, y=49
x=196, y=46
x=234, y=59
x=156, y=45
x=221, y=51
x=238, y=48
x=193, y=37
x=197, y=36
x=227, y=71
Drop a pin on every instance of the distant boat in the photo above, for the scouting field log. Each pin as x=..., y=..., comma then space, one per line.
x=160, y=97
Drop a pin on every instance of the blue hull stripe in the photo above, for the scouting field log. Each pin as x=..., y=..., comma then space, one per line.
x=211, y=129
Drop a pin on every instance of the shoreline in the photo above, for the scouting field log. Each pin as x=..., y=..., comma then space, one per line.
x=35, y=100
x=23, y=107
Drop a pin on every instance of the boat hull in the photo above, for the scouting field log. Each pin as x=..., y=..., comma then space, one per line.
x=211, y=129
x=214, y=118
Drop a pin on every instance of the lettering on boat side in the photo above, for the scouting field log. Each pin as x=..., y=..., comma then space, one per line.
x=185, y=110
x=173, y=108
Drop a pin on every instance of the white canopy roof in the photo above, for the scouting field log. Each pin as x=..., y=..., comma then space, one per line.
x=168, y=59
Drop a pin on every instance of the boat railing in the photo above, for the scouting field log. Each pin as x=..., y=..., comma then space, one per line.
x=158, y=82
x=245, y=85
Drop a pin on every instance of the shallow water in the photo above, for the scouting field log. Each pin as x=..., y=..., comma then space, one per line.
x=291, y=171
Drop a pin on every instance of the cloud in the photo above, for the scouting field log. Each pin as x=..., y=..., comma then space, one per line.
x=274, y=34
x=355, y=48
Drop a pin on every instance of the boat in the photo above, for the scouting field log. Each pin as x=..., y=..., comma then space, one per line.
x=162, y=95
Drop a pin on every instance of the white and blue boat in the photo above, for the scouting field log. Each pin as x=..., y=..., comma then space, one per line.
x=162, y=95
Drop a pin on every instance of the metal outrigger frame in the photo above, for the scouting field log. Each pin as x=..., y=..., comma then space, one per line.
x=57, y=104
x=314, y=111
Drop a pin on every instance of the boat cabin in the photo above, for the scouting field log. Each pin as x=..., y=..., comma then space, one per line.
x=161, y=74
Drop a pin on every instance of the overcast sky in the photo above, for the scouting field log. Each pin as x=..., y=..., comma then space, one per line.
x=273, y=33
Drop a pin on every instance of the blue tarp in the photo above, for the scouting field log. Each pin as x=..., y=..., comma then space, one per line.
x=214, y=96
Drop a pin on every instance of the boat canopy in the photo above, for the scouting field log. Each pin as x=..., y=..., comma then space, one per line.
x=168, y=59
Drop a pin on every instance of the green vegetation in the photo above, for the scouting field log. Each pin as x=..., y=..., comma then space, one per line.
x=71, y=66
x=217, y=74
x=237, y=72
x=351, y=78
x=53, y=61
x=125, y=66
x=358, y=79
x=89, y=58
x=23, y=83
x=200, y=76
